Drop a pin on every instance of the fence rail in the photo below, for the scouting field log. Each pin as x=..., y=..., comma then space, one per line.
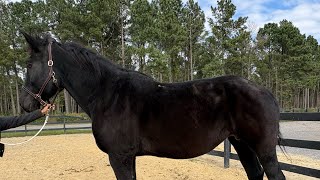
x=306, y=116
x=301, y=143
x=64, y=125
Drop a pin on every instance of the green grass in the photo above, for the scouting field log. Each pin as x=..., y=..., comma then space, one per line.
x=44, y=133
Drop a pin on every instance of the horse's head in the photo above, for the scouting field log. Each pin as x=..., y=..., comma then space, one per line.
x=40, y=84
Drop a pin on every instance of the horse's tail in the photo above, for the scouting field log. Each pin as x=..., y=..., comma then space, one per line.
x=281, y=143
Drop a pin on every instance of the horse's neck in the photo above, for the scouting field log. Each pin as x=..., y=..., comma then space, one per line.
x=80, y=92
x=82, y=85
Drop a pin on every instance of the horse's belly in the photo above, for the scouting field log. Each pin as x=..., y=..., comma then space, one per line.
x=182, y=146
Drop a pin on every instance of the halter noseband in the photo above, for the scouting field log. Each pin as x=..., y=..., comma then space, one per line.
x=51, y=75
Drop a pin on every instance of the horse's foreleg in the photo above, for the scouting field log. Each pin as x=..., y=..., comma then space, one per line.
x=124, y=166
x=248, y=159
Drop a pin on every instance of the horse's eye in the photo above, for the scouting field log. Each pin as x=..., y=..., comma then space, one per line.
x=29, y=65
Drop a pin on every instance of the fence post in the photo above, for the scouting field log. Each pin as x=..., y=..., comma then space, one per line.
x=227, y=147
x=64, y=125
x=25, y=129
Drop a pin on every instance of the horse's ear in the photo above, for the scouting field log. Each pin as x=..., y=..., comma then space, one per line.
x=33, y=43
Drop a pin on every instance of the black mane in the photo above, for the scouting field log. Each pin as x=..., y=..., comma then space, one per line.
x=88, y=59
x=92, y=61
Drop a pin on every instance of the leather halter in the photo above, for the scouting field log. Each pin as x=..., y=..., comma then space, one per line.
x=51, y=75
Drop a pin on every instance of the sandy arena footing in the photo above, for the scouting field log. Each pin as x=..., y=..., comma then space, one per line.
x=77, y=157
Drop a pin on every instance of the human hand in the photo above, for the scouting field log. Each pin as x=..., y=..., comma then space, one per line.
x=46, y=109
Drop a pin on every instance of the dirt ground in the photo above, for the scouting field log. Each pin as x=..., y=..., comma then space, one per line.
x=77, y=157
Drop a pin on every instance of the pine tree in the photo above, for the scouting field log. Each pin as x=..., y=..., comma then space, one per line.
x=194, y=20
x=230, y=37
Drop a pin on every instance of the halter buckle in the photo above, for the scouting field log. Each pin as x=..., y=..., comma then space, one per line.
x=37, y=96
x=50, y=63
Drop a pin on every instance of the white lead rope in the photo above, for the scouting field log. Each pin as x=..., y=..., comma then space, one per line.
x=44, y=124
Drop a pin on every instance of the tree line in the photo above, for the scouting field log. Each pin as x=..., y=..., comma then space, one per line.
x=167, y=40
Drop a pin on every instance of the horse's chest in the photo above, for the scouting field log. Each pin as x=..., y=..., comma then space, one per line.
x=114, y=134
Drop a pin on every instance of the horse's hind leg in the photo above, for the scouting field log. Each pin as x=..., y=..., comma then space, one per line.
x=269, y=161
x=124, y=166
x=248, y=159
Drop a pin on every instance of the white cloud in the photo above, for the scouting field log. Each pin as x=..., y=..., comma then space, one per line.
x=302, y=13
x=304, y=16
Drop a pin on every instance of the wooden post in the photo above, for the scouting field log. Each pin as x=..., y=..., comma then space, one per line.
x=64, y=125
x=227, y=147
x=25, y=129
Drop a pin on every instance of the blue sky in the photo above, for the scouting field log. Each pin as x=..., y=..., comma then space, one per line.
x=304, y=14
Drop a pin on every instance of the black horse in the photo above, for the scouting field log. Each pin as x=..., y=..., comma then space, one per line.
x=134, y=115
